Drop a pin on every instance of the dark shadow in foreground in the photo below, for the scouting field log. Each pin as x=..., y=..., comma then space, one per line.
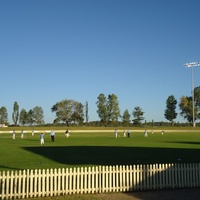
x=92, y=155
x=182, y=194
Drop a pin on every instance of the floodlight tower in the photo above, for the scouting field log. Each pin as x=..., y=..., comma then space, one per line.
x=192, y=64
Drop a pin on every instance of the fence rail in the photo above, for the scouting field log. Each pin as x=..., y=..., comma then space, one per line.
x=100, y=179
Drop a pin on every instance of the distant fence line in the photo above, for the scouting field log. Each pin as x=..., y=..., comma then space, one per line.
x=99, y=179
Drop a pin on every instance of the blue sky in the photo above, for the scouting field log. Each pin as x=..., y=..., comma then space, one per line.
x=52, y=50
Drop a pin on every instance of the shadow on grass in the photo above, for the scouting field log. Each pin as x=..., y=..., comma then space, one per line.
x=8, y=168
x=92, y=155
x=181, y=142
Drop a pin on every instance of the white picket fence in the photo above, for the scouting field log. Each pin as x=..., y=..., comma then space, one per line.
x=101, y=179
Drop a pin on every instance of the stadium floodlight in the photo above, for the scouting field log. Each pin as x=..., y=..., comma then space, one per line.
x=192, y=64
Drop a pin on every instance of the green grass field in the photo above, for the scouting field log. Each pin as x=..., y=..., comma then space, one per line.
x=102, y=148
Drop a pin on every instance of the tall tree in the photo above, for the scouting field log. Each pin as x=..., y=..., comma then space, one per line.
x=38, y=116
x=86, y=112
x=102, y=108
x=126, y=118
x=68, y=111
x=197, y=99
x=15, y=114
x=30, y=117
x=23, y=117
x=170, y=112
x=113, y=108
x=197, y=94
x=137, y=115
x=186, y=107
x=3, y=115
x=108, y=109
x=78, y=115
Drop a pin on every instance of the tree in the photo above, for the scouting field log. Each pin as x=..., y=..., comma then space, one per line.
x=3, y=115
x=197, y=99
x=102, y=108
x=15, y=114
x=170, y=112
x=38, y=116
x=108, y=109
x=126, y=118
x=138, y=116
x=78, y=116
x=86, y=112
x=30, y=117
x=23, y=117
x=197, y=95
x=186, y=107
x=113, y=108
x=68, y=111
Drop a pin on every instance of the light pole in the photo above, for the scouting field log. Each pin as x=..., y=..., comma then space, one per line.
x=193, y=64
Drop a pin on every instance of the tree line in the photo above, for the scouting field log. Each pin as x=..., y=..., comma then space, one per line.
x=71, y=112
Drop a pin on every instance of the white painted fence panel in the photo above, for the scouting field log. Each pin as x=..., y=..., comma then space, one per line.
x=101, y=179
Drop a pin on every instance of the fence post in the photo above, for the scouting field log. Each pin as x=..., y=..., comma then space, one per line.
x=117, y=178
x=96, y=179
x=123, y=178
x=47, y=183
x=58, y=181
x=171, y=175
x=106, y=179
x=113, y=179
x=175, y=179
x=148, y=176
x=110, y=180
x=43, y=183
x=27, y=183
x=51, y=182
x=93, y=179
x=185, y=175
x=165, y=172
x=120, y=178
x=67, y=181
x=23, y=184
x=85, y=180
x=14, y=188
x=194, y=175
x=141, y=178
x=7, y=186
x=198, y=174
x=82, y=179
x=103, y=179
x=138, y=177
x=39, y=182
x=3, y=185
x=100, y=180
x=70, y=181
x=127, y=172
x=88, y=179
x=78, y=180
x=19, y=184
x=144, y=178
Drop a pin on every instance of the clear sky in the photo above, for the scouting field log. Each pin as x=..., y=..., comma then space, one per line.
x=52, y=50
